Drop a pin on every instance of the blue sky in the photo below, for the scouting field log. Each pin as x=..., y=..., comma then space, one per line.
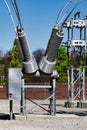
x=38, y=18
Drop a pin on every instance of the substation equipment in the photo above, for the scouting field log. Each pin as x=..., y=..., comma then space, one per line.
x=76, y=47
x=47, y=63
x=45, y=69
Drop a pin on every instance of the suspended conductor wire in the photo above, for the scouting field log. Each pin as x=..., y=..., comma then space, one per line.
x=70, y=12
x=12, y=19
x=14, y=7
x=14, y=3
x=65, y=16
x=67, y=12
x=62, y=9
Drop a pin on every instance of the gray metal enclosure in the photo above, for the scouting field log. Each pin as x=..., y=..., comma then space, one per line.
x=14, y=83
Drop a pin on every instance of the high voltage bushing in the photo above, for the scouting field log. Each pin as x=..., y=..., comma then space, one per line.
x=48, y=62
x=23, y=43
x=54, y=31
x=19, y=47
x=54, y=46
x=29, y=64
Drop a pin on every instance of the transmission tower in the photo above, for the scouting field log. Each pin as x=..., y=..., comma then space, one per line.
x=76, y=48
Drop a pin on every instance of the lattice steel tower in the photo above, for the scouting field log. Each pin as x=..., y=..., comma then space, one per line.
x=76, y=48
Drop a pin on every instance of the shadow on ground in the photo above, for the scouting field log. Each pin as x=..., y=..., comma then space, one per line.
x=5, y=116
x=61, y=109
x=75, y=113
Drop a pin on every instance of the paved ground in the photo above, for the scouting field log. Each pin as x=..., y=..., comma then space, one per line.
x=65, y=119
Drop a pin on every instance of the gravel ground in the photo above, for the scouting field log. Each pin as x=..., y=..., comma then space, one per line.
x=65, y=119
x=45, y=124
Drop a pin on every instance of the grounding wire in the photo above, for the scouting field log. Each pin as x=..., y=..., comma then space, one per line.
x=11, y=16
x=14, y=3
x=62, y=9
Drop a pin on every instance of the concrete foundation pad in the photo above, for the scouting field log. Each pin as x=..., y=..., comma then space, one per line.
x=82, y=104
x=69, y=104
x=20, y=117
x=29, y=116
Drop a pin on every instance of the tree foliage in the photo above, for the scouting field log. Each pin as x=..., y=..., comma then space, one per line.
x=38, y=54
x=62, y=63
x=15, y=60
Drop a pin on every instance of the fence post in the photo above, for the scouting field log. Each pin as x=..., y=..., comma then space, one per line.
x=51, y=98
x=11, y=106
x=54, y=96
x=22, y=103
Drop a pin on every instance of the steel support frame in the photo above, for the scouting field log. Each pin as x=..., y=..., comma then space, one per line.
x=76, y=77
x=52, y=98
